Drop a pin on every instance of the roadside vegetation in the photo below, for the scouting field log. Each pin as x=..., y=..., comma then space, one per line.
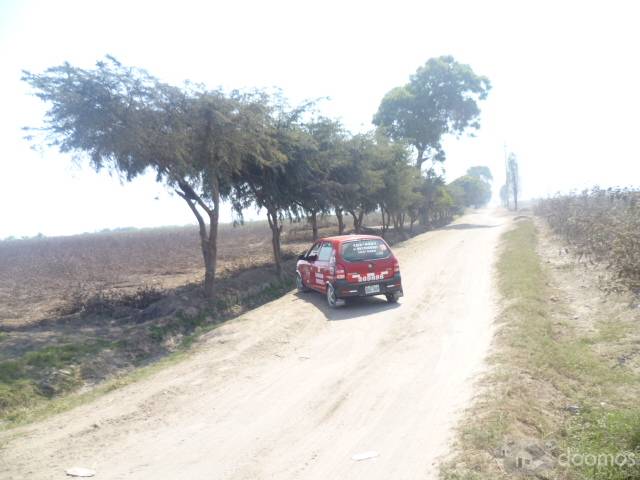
x=255, y=150
x=560, y=397
x=600, y=226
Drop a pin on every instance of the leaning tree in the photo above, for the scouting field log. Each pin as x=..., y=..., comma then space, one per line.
x=125, y=120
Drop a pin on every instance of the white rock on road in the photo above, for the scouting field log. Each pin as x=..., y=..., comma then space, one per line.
x=80, y=472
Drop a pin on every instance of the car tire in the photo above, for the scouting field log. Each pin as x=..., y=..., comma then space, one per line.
x=332, y=299
x=300, y=284
x=392, y=297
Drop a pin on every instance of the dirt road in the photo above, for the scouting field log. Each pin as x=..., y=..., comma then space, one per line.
x=294, y=389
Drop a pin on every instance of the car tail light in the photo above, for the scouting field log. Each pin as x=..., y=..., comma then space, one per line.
x=340, y=273
x=396, y=266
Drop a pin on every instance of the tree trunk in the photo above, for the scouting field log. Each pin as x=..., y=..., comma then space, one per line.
x=420, y=159
x=424, y=214
x=208, y=239
x=357, y=221
x=340, y=220
x=313, y=219
x=385, y=221
x=211, y=255
x=360, y=220
x=274, y=224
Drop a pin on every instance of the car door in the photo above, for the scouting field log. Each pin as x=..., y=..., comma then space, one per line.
x=308, y=270
x=322, y=268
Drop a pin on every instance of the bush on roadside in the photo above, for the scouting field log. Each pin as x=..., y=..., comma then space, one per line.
x=602, y=226
x=110, y=302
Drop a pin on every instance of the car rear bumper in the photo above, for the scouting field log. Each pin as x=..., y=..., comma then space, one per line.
x=346, y=289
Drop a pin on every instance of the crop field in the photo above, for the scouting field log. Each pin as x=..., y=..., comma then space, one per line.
x=602, y=226
x=78, y=310
x=41, y=277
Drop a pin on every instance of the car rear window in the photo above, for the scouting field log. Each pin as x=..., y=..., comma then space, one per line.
x=363, y=250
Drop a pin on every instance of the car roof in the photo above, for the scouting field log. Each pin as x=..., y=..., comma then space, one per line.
x=349, y=238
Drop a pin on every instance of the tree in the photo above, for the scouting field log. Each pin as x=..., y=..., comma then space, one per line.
x=471, y=191
x=275, y=186
x=440, y=98
x=316, y=189
x=360, y=178
x=127, y=121
x=400, y=183
x=504, y=195
x=431, y=183
x=513, y=179
x=444, y=205
x=481, y=172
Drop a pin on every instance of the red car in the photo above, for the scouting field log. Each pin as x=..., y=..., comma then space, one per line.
x=350, y=266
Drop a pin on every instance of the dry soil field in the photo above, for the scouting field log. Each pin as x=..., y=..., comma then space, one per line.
x=40, y=276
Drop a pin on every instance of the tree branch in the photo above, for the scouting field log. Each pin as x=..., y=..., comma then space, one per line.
x=202, y=225
x=189, y=193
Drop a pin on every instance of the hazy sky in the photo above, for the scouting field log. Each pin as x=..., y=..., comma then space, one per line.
x=565, y=78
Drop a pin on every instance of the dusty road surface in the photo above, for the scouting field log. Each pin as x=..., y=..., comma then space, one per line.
x=294, y=390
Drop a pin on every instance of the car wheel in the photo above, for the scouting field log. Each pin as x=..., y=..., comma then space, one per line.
x=392, y=297
x=300, y=284
x=332, y=300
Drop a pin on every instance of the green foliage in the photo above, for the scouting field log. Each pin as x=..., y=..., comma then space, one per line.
x=38, y=375
x=481, y=172
x=122, y=118
x=610, y=437
x=440, y=98
x=401, y=182
x=362, y=179
x=471, y=190
x=196, y=140
x=315, y=187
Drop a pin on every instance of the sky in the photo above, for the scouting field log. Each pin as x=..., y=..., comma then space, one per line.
x=565, y=77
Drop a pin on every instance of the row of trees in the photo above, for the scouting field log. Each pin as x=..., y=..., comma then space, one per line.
x=255, y=149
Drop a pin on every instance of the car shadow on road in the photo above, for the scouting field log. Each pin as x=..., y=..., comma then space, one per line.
x=354, y=307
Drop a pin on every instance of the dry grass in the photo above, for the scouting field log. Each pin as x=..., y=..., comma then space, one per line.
x=602, y=226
